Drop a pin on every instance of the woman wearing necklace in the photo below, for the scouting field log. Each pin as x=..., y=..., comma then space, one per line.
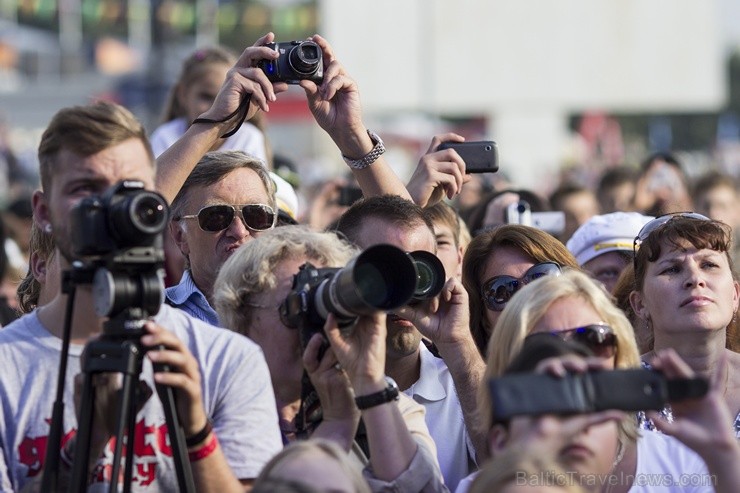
x=686, y=292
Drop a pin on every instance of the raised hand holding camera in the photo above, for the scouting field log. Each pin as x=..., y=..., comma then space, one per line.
x=296, y=61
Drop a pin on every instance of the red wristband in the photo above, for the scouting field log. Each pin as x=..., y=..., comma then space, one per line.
x=204, y=451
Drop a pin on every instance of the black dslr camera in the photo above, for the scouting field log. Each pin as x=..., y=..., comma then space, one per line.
x=125, y=216
x=118, y=237
x=383, y=277
x=298, y=60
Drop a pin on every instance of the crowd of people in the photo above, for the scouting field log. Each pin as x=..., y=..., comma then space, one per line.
x=283, y=385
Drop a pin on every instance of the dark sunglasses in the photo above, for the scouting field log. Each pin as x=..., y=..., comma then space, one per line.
x=498, y=290
x=599, y=338
x=215, y=218
x=659, y=221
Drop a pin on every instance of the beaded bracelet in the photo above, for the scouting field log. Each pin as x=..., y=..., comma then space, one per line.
x=204, y=451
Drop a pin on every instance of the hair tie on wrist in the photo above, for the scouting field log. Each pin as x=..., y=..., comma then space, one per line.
x=200, y=436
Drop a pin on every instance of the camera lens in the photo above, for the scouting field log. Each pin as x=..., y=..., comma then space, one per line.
x=430, y=275
x=380, y=278
x=305, y=58
x=373, y=285
x=148, y=213
x=136, y=218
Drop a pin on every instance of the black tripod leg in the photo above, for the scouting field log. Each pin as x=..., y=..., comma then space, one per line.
x=177, y=439
x=129, y=470
x=79, y=478
x=124, y=412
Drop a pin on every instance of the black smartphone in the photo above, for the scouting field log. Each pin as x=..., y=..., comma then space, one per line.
x=626, y=390
x=349, y=195
x=480, y=156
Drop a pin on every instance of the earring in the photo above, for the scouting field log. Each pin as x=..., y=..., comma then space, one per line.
x=47, y=228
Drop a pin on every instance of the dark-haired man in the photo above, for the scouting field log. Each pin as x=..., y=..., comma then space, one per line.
x=446, y=386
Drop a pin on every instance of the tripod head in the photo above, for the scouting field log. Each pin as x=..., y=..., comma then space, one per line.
x=118, y=238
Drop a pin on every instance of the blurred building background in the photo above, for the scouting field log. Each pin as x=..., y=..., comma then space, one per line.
x=567, y=87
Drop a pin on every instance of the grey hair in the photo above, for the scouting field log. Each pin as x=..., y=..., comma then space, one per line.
x=213, y=167
x=251, y=269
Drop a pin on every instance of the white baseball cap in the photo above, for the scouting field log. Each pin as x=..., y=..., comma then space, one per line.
x=285, y=196
x=606, y=233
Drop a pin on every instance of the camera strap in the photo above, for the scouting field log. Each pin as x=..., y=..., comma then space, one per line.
x=242, y=110
x=310, y=414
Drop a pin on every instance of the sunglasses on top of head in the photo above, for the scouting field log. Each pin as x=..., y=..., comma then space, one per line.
x=215, y=218
x=498, y=290
x=659, y=221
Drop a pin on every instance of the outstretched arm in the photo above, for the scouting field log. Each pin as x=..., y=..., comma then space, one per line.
x=243, y=79
x=335, y=105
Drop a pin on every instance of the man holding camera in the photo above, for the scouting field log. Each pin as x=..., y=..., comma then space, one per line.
x=230, y=428
x=333, y=99
x=446, y=386
x=253, y=293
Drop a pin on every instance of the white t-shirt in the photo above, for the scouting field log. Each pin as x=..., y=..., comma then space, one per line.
x=666, y=465
x=235, y=384
x=248, y=138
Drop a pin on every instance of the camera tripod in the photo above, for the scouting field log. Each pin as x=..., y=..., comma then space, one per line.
x=118, y=351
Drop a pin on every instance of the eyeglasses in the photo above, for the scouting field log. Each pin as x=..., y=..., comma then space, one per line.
x=599, y=338
x=215, y=218
x=498, y=290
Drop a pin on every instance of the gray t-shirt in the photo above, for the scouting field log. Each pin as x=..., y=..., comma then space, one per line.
x=236, y=389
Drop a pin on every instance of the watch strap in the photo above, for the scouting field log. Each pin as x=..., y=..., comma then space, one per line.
x=370, y=157
x=388, y=394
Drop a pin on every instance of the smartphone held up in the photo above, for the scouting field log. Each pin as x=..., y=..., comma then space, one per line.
x=479, y=156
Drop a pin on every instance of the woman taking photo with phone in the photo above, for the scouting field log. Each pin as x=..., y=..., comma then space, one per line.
x=687, y=294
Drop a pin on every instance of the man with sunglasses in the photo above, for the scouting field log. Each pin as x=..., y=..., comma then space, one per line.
x=447, y=386
x=227, y=200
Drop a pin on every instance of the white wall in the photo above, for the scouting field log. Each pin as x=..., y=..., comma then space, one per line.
x=527, y=64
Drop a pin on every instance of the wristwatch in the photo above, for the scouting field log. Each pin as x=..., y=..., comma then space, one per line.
x=388, y=394
x=370, y=157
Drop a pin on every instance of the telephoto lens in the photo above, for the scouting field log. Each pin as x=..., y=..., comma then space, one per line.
x=430, y=275
x=380, y=278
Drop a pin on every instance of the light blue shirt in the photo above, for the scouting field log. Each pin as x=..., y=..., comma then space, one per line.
x=187, y=297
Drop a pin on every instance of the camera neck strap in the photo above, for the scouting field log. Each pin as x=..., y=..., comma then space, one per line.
x=242, y=111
